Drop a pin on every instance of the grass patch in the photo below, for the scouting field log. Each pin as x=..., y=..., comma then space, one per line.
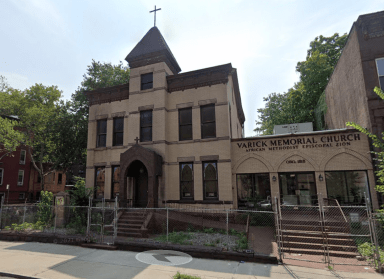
x=178, y=275
x=176, y=238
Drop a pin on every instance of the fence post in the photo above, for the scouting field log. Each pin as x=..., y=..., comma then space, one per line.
x=278, y=232
x=228, y=229
x=25, y=209
x=115, y=223
x=372, y=224
x=102, y=219
x=89, y=219
x=54, y=228
x=1, y=210
x=167, y=222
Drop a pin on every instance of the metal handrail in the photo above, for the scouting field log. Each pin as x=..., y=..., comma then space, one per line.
x=338, y=205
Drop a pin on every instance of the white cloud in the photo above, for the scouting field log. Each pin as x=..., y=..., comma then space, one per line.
x=17, y=81
x=44, y=12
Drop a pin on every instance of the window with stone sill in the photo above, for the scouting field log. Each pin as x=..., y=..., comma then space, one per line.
x=210, y=180
x=208, y=121
x=115, y=189
x=185, y=124
x=186, y=181
x=99, y=182
x=101, y=133
x=380, y=71
x=118, y=131
x=20, y=178
x=147, y=81
x=146, y=125
x=1, y=176
x=22, y=157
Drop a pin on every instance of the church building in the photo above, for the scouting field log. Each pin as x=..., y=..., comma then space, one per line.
x=171, y=138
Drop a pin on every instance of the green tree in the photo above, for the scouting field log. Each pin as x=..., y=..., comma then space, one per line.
x=71, y=125
x=36, y=109
x=10, y=137
x=301, y=102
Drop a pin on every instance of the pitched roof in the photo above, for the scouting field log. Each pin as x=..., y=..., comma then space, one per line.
x=151, y=45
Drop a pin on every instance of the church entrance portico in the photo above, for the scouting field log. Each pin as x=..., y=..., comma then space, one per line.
x=137, y=177
x=140, y=168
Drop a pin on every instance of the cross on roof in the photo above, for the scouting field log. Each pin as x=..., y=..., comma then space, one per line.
x=137, y=140
x=155, y=13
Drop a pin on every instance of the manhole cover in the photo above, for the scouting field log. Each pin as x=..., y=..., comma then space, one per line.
x=163, y=257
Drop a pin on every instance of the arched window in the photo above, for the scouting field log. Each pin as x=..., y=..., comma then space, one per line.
x=115, y=189
x=99, y=182
x=210, y=180
x=186, y=180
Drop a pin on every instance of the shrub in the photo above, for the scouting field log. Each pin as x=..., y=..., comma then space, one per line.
x=367, y=250
x=178, y=275
x=44, y=211
x=242, y=243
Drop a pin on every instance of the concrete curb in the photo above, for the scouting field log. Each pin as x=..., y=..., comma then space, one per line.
x=195, y=251
x=16, y=276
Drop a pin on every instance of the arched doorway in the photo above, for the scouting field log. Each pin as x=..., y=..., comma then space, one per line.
x=131, y=162
x=139, y=177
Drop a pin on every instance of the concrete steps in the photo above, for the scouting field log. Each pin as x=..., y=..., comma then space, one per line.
x=308, y=235
x=131, y=223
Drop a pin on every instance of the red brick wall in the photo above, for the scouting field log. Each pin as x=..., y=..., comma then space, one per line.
x=11, y=166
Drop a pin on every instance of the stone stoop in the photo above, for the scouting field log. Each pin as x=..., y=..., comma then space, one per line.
x=306, y=237
x=132, y=224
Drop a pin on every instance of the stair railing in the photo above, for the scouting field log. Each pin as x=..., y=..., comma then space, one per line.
x=338, y=205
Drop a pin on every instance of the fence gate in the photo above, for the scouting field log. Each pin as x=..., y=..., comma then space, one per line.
x=102, y=223
x=326, y=233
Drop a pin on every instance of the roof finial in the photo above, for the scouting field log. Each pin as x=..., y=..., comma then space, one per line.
x=155, y=13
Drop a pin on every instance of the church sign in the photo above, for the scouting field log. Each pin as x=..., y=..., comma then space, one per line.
x=299, y=143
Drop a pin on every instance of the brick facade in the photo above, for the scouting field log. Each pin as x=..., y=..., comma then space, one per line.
x=349, y=93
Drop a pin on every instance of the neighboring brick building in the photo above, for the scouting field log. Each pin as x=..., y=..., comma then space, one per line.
x=177, y=138
x=349, y=93
x=15, y=172
x=53, y=182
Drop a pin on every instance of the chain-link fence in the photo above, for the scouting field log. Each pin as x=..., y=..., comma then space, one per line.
x=326, y=232
x=329, y=233
x=223, y=230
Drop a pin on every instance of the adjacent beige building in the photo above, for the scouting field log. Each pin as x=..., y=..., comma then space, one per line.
x=171, y=138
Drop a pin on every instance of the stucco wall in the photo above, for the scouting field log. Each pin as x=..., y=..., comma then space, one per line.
x=165, y=132
x=314, y=152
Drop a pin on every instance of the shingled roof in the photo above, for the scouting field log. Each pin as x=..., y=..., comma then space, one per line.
x=152, y=49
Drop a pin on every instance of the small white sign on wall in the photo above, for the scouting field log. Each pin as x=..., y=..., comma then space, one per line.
x=355, y=217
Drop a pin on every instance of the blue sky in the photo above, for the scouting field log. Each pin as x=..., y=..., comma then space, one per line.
x=52, y=42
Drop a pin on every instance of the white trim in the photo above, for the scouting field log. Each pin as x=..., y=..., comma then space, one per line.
x=22, y=181
x=2, y=176
x=25, y=156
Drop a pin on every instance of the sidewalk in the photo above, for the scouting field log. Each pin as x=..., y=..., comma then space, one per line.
x=40, y=260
